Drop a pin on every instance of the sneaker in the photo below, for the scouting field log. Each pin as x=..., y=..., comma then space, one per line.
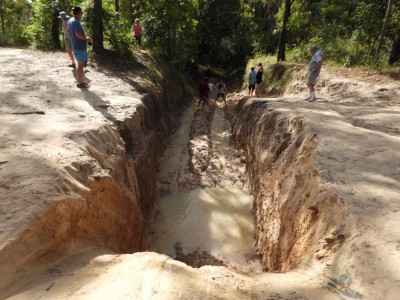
x=312, y=99
x=82, y=85
x=72, y=66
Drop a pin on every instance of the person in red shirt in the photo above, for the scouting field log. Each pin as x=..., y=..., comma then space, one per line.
x=203, y=93
x=137, y=31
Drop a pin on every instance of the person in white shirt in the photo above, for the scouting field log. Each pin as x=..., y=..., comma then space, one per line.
x=314, y=68
x=67, y=40
x=221, y=91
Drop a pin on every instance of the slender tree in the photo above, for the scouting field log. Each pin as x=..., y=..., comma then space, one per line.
x=2, y=8
x=98, y=26
x=283, y=35
x=384, y=25
x=395, y=53
x=55, y=30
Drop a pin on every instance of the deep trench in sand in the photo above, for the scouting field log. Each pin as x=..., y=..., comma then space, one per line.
x=201, y=221
x=204, y=212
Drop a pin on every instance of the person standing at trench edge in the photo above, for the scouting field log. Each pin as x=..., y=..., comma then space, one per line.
x=67, y=41
x=79, y=44
x=137, y=32
x=252, y=81
x=314, y=68
x=259, y=76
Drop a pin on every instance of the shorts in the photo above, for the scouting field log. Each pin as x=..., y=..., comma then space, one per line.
x=81, y=55
x=220, y=95
x=312, y=78
x=259, y=81
x=67, y=41
x=138, y=40
x=252, y=86
x=203, y=98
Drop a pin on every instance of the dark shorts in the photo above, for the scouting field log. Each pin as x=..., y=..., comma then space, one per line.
x=138, y=40
x=220, y=95
x=252, y=86
x=312, y=79
x=203, y=98
x=259, y=81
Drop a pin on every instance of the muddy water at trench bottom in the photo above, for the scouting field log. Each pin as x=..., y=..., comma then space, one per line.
x=216, y=220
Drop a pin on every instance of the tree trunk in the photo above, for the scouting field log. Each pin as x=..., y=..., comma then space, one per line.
x=117, y=8
x=2, y=24
x=385, y=22
x=283, y=35
x=395, y=53
x=271, y=9
x=3, y=29
x=97, y=26
x=55, y=32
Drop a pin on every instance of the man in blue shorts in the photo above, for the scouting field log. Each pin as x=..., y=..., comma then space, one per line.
x=79, y=44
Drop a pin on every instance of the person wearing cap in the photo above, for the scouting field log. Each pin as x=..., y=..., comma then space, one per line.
x=79, y=44
x=314, y=68
x=68, y=47
x=137, y=32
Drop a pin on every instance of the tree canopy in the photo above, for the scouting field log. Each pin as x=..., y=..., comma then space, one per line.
x=220, y=33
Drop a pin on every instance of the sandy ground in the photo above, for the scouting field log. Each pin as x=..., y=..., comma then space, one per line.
x=357, y=116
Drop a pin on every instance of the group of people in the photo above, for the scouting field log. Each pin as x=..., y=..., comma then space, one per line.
x=205, y=89
x=314, y=69
x=255, y=79
x=76, y=41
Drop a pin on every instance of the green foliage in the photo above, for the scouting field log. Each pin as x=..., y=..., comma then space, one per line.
x=259, y=22
x=43, y=24
x=14, y=17
x=346, y=31
x=222, y=38
x=169, y=29
x=118, y=35
x=220, y=33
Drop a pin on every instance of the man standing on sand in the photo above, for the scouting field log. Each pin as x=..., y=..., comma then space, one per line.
x=137, y=32
x=64, y=20
x=252, y=81
x=314, y=68
x=79, y=44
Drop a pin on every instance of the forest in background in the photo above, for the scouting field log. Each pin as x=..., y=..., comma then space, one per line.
x=222, y=33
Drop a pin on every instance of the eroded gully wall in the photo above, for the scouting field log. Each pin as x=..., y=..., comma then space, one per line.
x=292, y=211
x=109, y=189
